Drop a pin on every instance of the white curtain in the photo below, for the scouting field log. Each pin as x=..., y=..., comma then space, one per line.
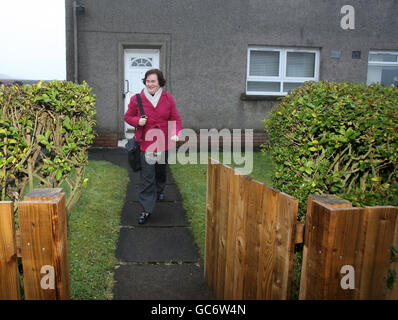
x=374, y=74
x=264, y=63
x=300, y=64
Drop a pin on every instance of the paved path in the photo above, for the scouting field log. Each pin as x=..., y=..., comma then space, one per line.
x=158, y=260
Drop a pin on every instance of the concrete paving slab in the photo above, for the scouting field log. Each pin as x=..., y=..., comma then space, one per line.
x=135, y=177
x=170, y=191
x=163, y=239
x=165, y=215
x=156, y=245
x=160, y=282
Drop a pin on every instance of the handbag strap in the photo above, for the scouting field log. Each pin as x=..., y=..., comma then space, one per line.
x=142, y=112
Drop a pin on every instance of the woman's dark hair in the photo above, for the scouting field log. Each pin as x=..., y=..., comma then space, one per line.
x=161, y=79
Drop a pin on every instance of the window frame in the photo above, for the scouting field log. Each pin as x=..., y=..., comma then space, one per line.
x=380, y=63
x=282, y=78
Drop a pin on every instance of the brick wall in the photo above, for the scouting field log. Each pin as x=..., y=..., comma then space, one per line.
x=105, y=140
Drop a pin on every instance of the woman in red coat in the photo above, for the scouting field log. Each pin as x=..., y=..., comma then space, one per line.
x=161, y=125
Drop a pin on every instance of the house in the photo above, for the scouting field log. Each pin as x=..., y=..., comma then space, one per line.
x=226, y=61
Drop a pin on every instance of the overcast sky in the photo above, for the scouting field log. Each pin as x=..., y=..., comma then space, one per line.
x=32, y=39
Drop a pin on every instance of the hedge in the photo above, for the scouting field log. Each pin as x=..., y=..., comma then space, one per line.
x=336, y=138
x=45, y=131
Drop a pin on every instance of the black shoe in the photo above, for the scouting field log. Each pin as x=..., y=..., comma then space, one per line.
x=143, y=217
x=161, y=197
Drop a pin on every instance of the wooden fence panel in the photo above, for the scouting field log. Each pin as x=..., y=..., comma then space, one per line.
x=44, y=245
x=9, y=275
x=338, y=235
x=250, y=236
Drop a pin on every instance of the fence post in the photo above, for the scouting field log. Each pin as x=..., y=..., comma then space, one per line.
x=42, y=220
x=338, y=235
x=9, y=275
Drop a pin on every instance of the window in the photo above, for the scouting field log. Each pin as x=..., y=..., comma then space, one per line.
x=383, y=68
x=141, y=62
x=276, y=71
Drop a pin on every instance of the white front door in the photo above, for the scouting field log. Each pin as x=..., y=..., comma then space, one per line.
x=136, y=63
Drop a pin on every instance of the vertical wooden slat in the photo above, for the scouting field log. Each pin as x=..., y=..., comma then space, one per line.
x=209, y=227
x=307, y=239
x=9, y=276
x=254, y=220
x=285, y=239
x=316, y=235
x=267, y=242
x=222, y=226
x=343, y=248
x=210, y=250
x=240, y=265
x=317, y=221
x=216, y=213
x=234, y=207
x=44, y=245
x=376, y=252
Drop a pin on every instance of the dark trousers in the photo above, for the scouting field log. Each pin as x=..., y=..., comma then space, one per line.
x=152, y=181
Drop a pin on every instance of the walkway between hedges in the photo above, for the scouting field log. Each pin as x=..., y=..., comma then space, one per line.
x=158, y=260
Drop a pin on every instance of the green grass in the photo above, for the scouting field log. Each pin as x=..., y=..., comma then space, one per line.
x=94, y=229
x=191, y=180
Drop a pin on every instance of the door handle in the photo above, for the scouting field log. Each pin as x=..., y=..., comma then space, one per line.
x=128, y=88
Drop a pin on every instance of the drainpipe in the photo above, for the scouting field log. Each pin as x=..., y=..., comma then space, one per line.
x=75, y=75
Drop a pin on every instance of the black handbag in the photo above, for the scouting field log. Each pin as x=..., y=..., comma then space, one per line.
x=133, y=146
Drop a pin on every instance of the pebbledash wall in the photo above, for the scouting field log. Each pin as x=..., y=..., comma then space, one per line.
x=204, y=51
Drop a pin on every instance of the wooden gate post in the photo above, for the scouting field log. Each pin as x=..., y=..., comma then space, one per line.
x=9, y=276
x=346, y=250
x=42, y=220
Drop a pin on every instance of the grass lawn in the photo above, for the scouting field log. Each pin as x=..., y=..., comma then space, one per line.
x=94, y=229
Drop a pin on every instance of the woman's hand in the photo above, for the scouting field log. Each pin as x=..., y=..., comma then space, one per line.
x=142, y=121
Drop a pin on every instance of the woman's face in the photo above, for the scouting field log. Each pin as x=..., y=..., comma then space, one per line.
x=152, y=83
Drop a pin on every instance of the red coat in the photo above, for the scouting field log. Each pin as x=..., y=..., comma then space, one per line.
x=158, y=118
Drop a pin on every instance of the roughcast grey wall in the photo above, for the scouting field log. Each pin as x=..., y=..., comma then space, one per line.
x=204, y=49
